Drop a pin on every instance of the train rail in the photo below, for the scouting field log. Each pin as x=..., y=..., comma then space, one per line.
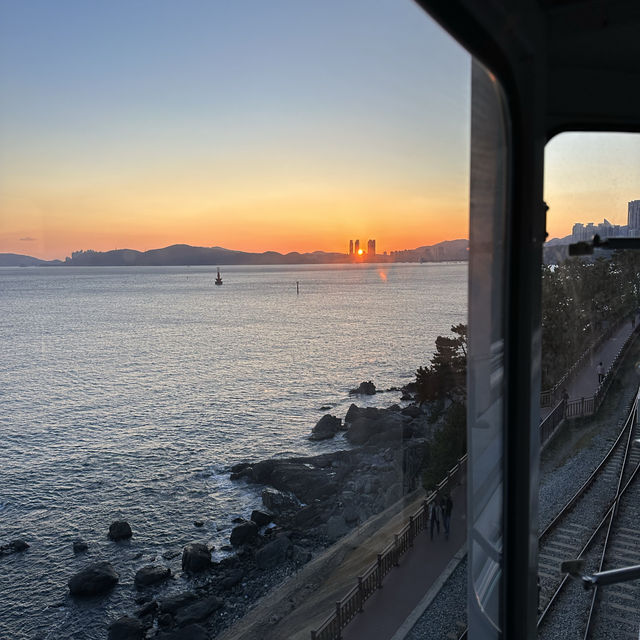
x=601, y=525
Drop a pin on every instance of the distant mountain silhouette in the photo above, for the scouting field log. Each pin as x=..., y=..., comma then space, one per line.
x=17, y=260
x=446, y=251
x=184, y=254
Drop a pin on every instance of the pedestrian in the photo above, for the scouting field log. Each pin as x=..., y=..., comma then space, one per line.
x=565, y=401
x=600, y=372
x=447, y=507
x=434, y=517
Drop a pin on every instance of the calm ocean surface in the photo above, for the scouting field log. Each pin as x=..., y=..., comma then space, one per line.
x=127, y=392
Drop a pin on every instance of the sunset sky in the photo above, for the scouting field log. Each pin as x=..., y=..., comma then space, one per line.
x=252, y=125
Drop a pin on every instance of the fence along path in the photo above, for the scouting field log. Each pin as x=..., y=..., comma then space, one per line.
x=387, y=611
x=581, y=381
x=585, y=394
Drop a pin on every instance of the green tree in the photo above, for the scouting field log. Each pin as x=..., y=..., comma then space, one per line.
x=448, y=445
x=446, y=377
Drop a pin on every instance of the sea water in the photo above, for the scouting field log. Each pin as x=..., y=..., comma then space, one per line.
x=127, y=393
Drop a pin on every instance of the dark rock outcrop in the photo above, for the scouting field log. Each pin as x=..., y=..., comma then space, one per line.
x=151, y=574
x=326, y=427
x=273, y=553
x=376, y=426
x=196, y=557
x=412, y=410
x=94, y=580
x=278, y=501
x=173, y=603
x=261, y=518
x=15, y=546
x=365, y=388
x=199, y=611
x=147, y=609
x=120, y=530
x=244, y=533
x=233, y=578
x=79, y=546
x=126, y=628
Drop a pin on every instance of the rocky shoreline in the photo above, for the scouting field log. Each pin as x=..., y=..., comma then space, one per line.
x=308, y=504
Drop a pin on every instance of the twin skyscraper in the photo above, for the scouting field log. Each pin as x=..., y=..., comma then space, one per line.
x=354, y=248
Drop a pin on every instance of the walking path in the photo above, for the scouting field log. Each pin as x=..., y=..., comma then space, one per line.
x=584, y=383
x=391, y=612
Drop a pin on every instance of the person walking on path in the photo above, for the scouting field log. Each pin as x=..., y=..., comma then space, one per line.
x=434, y=517
x=447, y=507
x=600, y=372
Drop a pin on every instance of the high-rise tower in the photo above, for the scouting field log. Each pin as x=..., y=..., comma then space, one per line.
x=350, y=247
x=371, y=247
x=357, y=246
x=633, y=217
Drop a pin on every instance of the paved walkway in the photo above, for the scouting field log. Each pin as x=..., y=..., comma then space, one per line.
x=584, y=383
x=408, y=589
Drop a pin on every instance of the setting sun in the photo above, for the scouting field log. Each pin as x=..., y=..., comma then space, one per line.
x=360, y=252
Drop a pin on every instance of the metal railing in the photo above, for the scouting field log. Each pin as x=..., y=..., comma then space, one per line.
x=550, y=397
x=583, y=407
x=353, y=602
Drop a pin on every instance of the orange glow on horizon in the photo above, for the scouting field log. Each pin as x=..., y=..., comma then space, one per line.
x=53, y=225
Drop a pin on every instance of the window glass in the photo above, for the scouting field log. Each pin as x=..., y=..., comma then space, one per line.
x=589, y=354
x=234, y=248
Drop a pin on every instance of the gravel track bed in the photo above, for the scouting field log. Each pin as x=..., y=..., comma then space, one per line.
x=616, y=613
x=568, y=616
x=447, y=608
x=562, y=474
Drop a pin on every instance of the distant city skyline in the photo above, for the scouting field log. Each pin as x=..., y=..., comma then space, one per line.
x=581, y=232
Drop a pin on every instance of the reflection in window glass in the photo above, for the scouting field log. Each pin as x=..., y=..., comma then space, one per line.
x=590, y=306
x=233, y=265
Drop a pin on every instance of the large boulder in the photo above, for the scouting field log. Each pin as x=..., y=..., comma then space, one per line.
x=412, y=410
x=278, y=501
x=326, y=427
x=196, y=556
x=120, y=530
x=232, y=578
x=311, y=516
x=376, y=426
x=79, y=546
x=274, y=553
x=353, y=412
x=261, y=518
x=94, y=580
x=243, y=533
x=365, y=388
x=151, y=574
x=199, y=611
x=126, y=628
x=173, y=603
x=304, y=480
x=15, y=546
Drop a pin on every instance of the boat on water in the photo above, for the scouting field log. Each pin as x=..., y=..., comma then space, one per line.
x=218, y=279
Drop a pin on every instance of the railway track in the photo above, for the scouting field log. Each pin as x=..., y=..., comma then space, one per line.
x=614, y=612
x=603, y=514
